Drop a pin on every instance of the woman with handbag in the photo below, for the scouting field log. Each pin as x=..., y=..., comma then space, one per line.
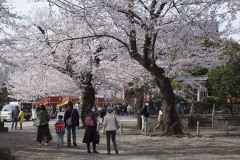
x=109, y=123
x=91, y=133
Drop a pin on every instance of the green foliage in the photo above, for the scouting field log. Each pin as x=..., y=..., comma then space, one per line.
x=5, y=153
x=197, y=71
x=210, y=43
x=225, y=80
x=211, y=99
x=4, y=94
x=175, y=85
x=202, y=106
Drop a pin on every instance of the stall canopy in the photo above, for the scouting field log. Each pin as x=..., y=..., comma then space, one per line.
x=67, y=99
x=50, y=100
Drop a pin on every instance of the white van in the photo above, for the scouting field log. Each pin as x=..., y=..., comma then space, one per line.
x=6, y=112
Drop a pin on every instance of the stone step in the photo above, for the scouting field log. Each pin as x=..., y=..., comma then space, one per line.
x=4, y=129
x=1, y=124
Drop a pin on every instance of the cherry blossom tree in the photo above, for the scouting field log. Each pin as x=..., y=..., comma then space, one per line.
x=35, y=81
x=6, y=22
x=165, y=37
x=92, y=71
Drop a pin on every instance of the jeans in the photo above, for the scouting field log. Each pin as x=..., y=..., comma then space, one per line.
x=60, y=139
x=71, y=131
x=144, y=119
x=14, y=121
x=110, y=134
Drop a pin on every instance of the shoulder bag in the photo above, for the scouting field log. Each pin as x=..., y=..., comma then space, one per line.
x=117, y=123
x=69, y=120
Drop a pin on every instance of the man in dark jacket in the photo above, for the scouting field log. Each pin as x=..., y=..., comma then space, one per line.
x=145, y=115
x=15, y=113
x=71, y=129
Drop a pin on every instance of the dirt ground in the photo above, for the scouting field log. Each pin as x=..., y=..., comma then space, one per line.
x=132, y=145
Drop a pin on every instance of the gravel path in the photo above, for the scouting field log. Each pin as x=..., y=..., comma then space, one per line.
x=132, y=146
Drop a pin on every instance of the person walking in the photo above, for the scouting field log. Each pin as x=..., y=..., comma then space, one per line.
x=145, y=115
x=103, y=113
x=15, y=113
x=60, y=130
x=91, y=133
x=34, y=114
x=42, y=122
x=71, y=120
x=130, y=110
x=110, y=126
x=160, y=120
x=21, y=118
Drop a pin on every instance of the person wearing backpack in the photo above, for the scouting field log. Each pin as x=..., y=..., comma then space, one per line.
x=71, y=115
x=91, y=133
x=60, y=130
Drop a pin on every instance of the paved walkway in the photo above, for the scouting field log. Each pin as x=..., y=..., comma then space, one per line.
x=132, y=145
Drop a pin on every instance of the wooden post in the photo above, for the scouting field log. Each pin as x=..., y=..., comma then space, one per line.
x=226, y=127
x=121, y=128
x=145, y=127
x=198, y=129
x=213, y=116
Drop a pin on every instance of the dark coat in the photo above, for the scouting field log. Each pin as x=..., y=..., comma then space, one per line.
x=144, y=111
x=91, y=134
x=42, y=118
x=15, y=113
x=75, y=116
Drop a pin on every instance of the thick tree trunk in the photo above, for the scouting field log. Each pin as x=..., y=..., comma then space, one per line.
x=88, y=100
x=88, y=97
x=170, y=117
x=139, y=105
x=148, y=61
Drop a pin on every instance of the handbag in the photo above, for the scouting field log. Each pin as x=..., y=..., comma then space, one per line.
x=69, y=120
x=34, y=123
x=102, y=130
x=117, y=123
x=97, y=137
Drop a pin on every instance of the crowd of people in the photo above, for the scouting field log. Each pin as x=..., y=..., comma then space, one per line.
x=69, y=122
x=119, y=109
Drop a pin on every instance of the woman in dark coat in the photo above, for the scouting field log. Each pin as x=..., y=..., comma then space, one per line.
x=91, y=133
x=42, y=122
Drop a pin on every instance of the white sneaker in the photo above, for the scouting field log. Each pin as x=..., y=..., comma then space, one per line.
x=39, y=144
x=46, y=144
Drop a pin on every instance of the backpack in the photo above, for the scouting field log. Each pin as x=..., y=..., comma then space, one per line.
x=89, y=121
x=60, y=128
